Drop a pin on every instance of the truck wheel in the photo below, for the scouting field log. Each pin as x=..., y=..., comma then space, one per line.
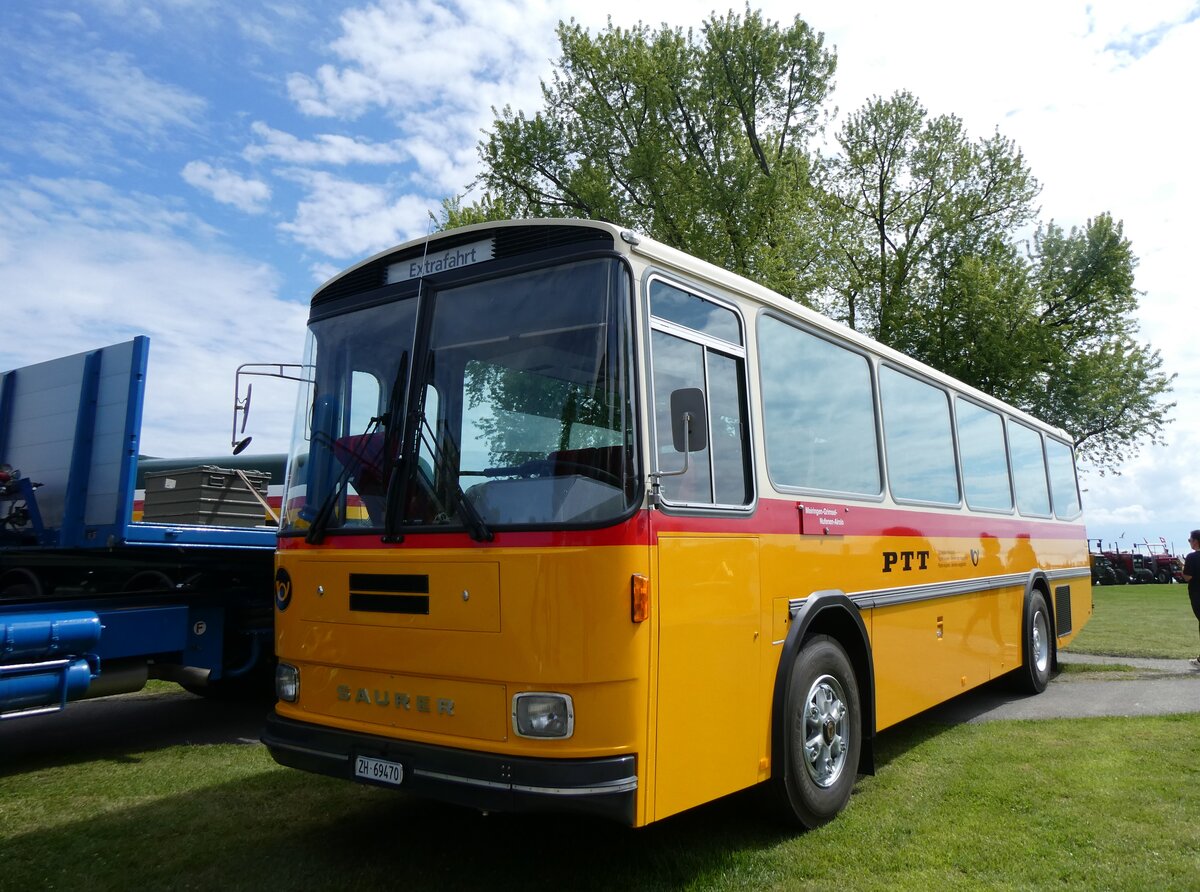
x=822, y=734
x=256, y=686
x=21, y=583
x=148, y=581
x=1036, y=646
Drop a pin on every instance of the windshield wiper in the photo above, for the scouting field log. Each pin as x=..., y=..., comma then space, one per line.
x=476, y=526
x=354, y=461
x=356, y=458
x=396, y=455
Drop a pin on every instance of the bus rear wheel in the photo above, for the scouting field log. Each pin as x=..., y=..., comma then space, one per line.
x=822, y=733
x=1036, y=647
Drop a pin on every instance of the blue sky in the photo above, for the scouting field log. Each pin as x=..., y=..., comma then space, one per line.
x=193, y=169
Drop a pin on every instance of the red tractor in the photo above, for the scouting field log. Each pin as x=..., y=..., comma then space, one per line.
x=1166, y=566
x=1128, y=566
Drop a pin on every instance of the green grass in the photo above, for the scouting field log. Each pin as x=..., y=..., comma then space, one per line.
x=1140, y=621
x=1087, y=804
x=1084, y=670
x=1074, y=804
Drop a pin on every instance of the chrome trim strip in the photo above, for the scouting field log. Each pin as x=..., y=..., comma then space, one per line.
x=1069, y=573
x=622, y=785
x=891, y=597
x=888, y=597
x=459, y=779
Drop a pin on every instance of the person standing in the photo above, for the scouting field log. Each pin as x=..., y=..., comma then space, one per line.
x=1191, y=575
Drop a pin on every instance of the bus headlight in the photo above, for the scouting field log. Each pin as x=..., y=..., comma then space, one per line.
x=536, y=714
x=287, y=683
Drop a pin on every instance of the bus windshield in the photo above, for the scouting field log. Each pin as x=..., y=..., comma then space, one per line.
x=513, y=408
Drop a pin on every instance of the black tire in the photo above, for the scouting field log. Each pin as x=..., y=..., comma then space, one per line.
x=21, y=583
x=822, y=734
x=148, y=581
x=256, y=686
x=1164, y=578
x=1037, y=646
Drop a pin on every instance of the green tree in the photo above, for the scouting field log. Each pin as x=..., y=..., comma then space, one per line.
x=1095, y=378
x=697, y=140
x=919, y=228
x=982, y=327
x=906, y=198
x=908, y=232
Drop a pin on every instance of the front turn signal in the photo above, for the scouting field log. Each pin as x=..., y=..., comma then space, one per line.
x=639, y=592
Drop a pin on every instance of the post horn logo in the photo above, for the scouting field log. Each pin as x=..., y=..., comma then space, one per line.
x=283, y=589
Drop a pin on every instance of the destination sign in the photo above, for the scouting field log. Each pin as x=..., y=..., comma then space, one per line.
x=440, y=261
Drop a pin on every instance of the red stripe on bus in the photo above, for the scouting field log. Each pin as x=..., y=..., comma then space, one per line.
x=814, y=518
x=772, y=517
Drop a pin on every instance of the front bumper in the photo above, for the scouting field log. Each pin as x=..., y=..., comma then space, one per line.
x=603, y=787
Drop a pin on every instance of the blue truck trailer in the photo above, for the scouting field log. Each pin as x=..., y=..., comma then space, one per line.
x=101, y=587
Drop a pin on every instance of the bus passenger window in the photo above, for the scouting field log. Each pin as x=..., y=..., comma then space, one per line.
x=916, y=433
x=984, y=458
x=1064, y=488
x=1029, y=470
x=818, y=412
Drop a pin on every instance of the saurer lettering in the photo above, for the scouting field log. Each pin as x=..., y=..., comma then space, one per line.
x=399, y=699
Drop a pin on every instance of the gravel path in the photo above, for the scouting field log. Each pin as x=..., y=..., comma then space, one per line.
x=1152, y=687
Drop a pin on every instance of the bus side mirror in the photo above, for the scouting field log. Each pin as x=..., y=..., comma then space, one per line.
x=288, y=371
x=689, y=420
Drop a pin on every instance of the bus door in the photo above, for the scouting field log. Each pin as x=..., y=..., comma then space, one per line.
x=709, y=730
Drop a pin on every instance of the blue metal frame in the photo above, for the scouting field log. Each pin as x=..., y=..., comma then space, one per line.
x=87, y=504
x=75, y=500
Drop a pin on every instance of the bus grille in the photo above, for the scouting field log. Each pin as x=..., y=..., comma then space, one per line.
x=1062, y=610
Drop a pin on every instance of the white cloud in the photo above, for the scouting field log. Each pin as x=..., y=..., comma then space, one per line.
x=436, y=72
x=228, y=187
x=89, y=108
x=43, y=203
x=107, y=89
x=346, y=219
x=94, y=279
x=325, y=148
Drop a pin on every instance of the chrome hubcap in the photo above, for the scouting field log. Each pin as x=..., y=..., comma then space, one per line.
x=826, y=731
x=1040, y=642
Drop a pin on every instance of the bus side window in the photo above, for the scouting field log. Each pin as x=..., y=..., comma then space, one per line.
x=818, y=412
x=1064, y=488
x=1029, y=470
x=712, y=361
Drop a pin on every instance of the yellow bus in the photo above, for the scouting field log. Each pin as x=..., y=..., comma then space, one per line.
x=575, y=521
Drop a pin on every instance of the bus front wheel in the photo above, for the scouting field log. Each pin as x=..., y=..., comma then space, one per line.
x=822, y=733
x=1036, y=648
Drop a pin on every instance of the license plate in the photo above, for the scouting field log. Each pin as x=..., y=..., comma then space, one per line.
x=379, y=770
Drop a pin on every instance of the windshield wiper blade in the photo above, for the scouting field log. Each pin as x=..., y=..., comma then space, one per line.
x=395, y=454
x=354, y=460
x=357, y=458
x=477, y=527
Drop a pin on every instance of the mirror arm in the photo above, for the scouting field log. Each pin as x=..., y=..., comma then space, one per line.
x=242, y=406
x=657, y=476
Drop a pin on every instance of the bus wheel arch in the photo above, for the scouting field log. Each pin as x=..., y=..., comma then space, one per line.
x=823, y=715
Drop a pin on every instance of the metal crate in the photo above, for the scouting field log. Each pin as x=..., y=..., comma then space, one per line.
x=205, y=495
